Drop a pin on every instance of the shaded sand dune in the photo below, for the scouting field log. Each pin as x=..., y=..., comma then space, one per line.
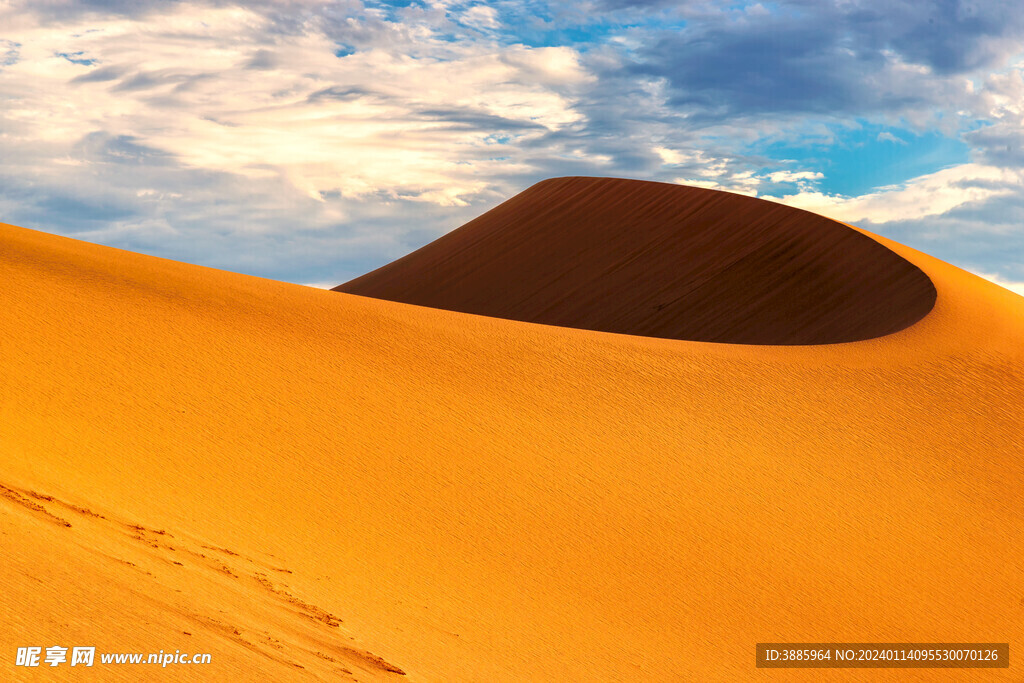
x=311, y=485
x=662, y=260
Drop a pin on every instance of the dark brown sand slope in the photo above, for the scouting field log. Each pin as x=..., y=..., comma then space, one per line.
x=662, y=260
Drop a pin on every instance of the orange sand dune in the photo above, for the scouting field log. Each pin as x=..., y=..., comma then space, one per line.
x=305, y=483
x=662, y=260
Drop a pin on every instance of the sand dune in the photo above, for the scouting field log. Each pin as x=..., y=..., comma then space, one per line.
x=308, y=484
x=662, y=260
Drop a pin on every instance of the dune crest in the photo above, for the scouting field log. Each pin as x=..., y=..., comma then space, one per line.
x=662, y=260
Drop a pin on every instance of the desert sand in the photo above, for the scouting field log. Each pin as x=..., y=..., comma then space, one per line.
x=661, y=260
x=311, y=484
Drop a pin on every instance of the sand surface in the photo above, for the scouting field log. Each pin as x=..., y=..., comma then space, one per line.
x=309, y=484
x=662, y=260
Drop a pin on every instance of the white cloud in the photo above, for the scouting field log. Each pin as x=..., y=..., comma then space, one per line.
x=927, y=195
x=222, y=89
x=716, y=176
x=671, y=157
x=481, y=16
x=794, y=176
x=886, y=136
x=745, y=182
x=549, y=66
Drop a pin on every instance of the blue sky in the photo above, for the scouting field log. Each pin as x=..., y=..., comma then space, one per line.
x=312, y=141
x=858, y=158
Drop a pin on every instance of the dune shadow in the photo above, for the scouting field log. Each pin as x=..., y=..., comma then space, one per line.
x=662, y=260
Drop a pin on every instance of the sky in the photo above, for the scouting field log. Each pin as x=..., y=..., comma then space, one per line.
x=313, y=141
